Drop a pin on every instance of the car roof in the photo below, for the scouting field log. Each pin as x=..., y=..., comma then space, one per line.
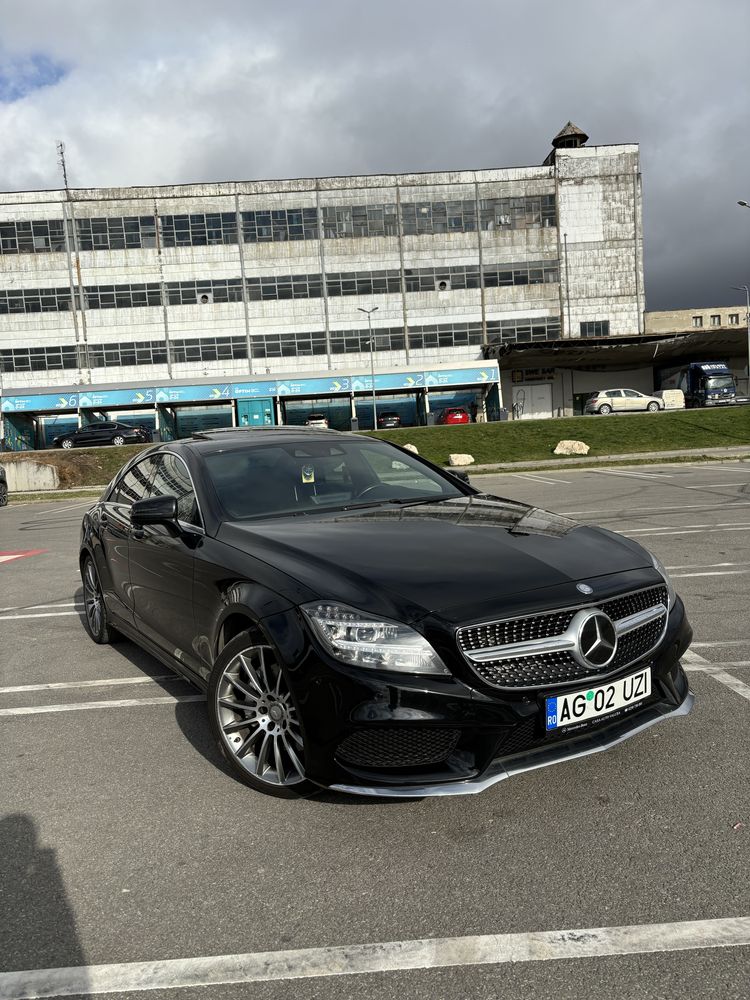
x=206, y=442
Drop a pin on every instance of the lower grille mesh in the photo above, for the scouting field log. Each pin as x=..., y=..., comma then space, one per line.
x=396, y=747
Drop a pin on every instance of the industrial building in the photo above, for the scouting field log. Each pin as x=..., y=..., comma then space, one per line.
x=175, y=304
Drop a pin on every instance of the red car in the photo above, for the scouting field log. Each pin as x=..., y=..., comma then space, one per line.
x=454, y=415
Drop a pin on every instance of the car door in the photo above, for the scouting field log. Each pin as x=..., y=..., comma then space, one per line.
x=102, y=432
x=615, y=399
x=162, y=561
x=84, y=436
x=114, y=535
x=634, y=400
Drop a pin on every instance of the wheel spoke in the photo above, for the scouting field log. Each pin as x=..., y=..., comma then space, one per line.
x=280, y=773
x=292, y=756
x=251, y=673
x=263, y=672
x=263, y=755
x=243, y=688
x=233, y=727
x=247, y=743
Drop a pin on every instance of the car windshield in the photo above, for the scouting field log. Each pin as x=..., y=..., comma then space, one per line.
x=720, y=382
x=286, y=479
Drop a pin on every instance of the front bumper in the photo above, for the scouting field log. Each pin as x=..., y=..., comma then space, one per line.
x=477, y=735
x=500, y=769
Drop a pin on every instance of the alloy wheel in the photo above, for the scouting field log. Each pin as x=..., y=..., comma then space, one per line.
x=118, y=439
x=92, y=599
x=3, y=494
x=67, y=443
x=257, y=719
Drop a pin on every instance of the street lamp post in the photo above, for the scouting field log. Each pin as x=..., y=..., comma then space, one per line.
x=746, y=290
x=369, y=313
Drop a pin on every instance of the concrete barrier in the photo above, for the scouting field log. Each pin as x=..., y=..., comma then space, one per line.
x=31, y=476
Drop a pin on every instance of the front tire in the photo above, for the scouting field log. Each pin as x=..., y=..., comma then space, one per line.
x=3, y=494
x=97, y=619
x=605, y=409
x=254, y=719
x=67, y=443
x=653, y=407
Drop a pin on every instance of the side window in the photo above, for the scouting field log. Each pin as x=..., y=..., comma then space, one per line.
x=632, y=394
x=134, y=484
x=614, y=393
x=173, y=480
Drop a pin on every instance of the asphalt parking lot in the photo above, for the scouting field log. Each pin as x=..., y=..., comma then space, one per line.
x=123, y=841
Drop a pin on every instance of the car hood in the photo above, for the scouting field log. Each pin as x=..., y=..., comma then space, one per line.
x=452, y=558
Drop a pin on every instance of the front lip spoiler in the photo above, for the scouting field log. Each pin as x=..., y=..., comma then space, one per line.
x=501, y=769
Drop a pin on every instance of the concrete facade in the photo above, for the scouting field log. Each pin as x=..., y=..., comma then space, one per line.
x=235, y=279
x=689, y=320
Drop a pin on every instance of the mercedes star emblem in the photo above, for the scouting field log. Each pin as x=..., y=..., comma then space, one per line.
x=584, y=588
x=597, y=639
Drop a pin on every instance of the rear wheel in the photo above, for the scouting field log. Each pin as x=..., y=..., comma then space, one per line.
x=605, y=408
x=97, y=619
x=67, y=443
x=118, y=439
x=652, y=406
x=254, y=719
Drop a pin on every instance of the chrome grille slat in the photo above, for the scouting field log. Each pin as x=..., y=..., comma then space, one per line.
x=529, y=651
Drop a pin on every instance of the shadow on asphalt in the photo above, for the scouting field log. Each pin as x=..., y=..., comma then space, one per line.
x=37, y=919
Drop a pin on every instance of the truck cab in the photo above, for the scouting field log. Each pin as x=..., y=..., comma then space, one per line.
x=705, y=383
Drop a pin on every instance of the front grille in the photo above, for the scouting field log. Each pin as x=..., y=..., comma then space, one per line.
x=547, y=668
x=397, y=747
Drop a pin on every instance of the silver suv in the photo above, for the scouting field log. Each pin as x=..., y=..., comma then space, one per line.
x=621, y=401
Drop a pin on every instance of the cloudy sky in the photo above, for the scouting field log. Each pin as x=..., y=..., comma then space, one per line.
x=165, y=91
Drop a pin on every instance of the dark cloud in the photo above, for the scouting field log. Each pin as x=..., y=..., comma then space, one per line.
x=181, y=90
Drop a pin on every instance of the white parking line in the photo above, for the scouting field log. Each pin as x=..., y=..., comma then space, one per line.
x=110, y=682
x=388, y=956
x=716, y=572
x=35, y=607
x=696, y=662
x=84, y=705
x=721, y=642
x=633, y=475
x=713, y=486
x=658, y=510
x=43, y=614
x=704, y=566
x=539, y=479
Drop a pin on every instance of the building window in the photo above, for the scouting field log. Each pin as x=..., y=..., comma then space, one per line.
x=363, y=283
x=529, y=273
x=189, y=293
x=734, y=319
x=40, y=236
x=289, y=345
x=427, y=218
x=113, y=233
x=137, y=353
x=595, y=328
x=28, y=359
x=209, y=349
x=34, y=300
x=360, y=220
x=358, y=341
x=697, y=321
x=280, y=225
x=122, y=296
x=199, y=230
x=535, y=212
x=285, y=286
x=715, y=320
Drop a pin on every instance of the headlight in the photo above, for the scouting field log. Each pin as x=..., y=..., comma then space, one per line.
x=366, y=641
x=660, y=568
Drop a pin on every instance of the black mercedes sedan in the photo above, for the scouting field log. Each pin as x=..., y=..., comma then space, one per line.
x=362, y=620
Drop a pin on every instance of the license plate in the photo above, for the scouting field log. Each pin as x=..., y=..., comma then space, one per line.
x=592, y=703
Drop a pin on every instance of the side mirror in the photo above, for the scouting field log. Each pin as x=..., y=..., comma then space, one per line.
x=155, y=510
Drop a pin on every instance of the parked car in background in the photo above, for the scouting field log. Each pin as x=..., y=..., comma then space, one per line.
x=388, y=419
x=3, y=487
x=621, y=401
x=705, y=383
x=316, y=420
x=103, y=432
x=453, y=415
